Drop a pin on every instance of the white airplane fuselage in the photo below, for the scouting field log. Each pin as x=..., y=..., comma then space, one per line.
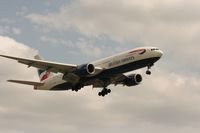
x=113, y=65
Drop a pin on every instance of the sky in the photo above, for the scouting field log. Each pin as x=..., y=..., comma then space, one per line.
x=80, y=31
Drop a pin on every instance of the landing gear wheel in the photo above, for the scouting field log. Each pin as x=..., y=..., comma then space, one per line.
x=109, y=91
x=100, y=94
x=148, y=72
x=104, y=92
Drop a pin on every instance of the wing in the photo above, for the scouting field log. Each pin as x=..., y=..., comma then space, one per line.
x=46, y=65
x=26, y=82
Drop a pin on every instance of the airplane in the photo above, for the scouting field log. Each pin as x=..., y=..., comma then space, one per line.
x=100, y=74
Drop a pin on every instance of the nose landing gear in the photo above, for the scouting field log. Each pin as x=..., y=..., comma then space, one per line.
x=148, y=72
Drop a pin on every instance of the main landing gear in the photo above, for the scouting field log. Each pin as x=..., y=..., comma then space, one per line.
x=104, y=92
x=77, y=87
x=148, y=72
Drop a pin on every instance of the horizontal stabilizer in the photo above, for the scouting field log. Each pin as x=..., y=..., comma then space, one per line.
x=27, y=82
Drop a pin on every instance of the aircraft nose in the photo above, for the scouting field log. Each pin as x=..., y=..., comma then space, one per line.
x=160, y=53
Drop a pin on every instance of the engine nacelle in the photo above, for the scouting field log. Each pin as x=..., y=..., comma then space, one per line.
x=85, y=70
x=132, y=80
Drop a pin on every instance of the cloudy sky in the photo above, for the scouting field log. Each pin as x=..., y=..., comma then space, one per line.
x=78, y=31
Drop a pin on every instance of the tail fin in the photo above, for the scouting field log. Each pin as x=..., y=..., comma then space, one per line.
x=43, y=74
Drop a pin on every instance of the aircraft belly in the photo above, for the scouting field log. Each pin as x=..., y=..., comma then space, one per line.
x=62, y=86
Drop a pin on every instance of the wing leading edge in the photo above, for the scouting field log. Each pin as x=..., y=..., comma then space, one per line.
x=46, y=65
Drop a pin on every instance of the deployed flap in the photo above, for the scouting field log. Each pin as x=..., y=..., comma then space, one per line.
x=27, y=82
x=115, y=79
x=46, y=65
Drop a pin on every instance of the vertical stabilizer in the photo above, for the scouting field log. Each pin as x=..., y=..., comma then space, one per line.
x=43, y=74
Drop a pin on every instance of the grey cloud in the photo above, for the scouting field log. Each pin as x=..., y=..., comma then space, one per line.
x=119, y=16
x=170, y=104
x=7, y=27
x=85, y=47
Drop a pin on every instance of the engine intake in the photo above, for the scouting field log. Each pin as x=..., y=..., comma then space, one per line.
x=85, y=70
x=90, y=69
x=132, y=80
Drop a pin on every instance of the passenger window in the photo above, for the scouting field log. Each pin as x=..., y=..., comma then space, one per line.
x=153, y=49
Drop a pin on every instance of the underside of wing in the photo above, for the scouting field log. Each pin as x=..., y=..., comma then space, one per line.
x=115, y=79
x=46, y=65
x=26, y=82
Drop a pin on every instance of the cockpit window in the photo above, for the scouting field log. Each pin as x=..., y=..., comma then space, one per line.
x=154, y=49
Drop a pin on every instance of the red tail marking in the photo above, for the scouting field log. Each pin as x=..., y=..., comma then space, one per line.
x=45, y=76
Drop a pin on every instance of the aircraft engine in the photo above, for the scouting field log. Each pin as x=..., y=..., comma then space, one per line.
x=85, y=70
x=132, y=80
